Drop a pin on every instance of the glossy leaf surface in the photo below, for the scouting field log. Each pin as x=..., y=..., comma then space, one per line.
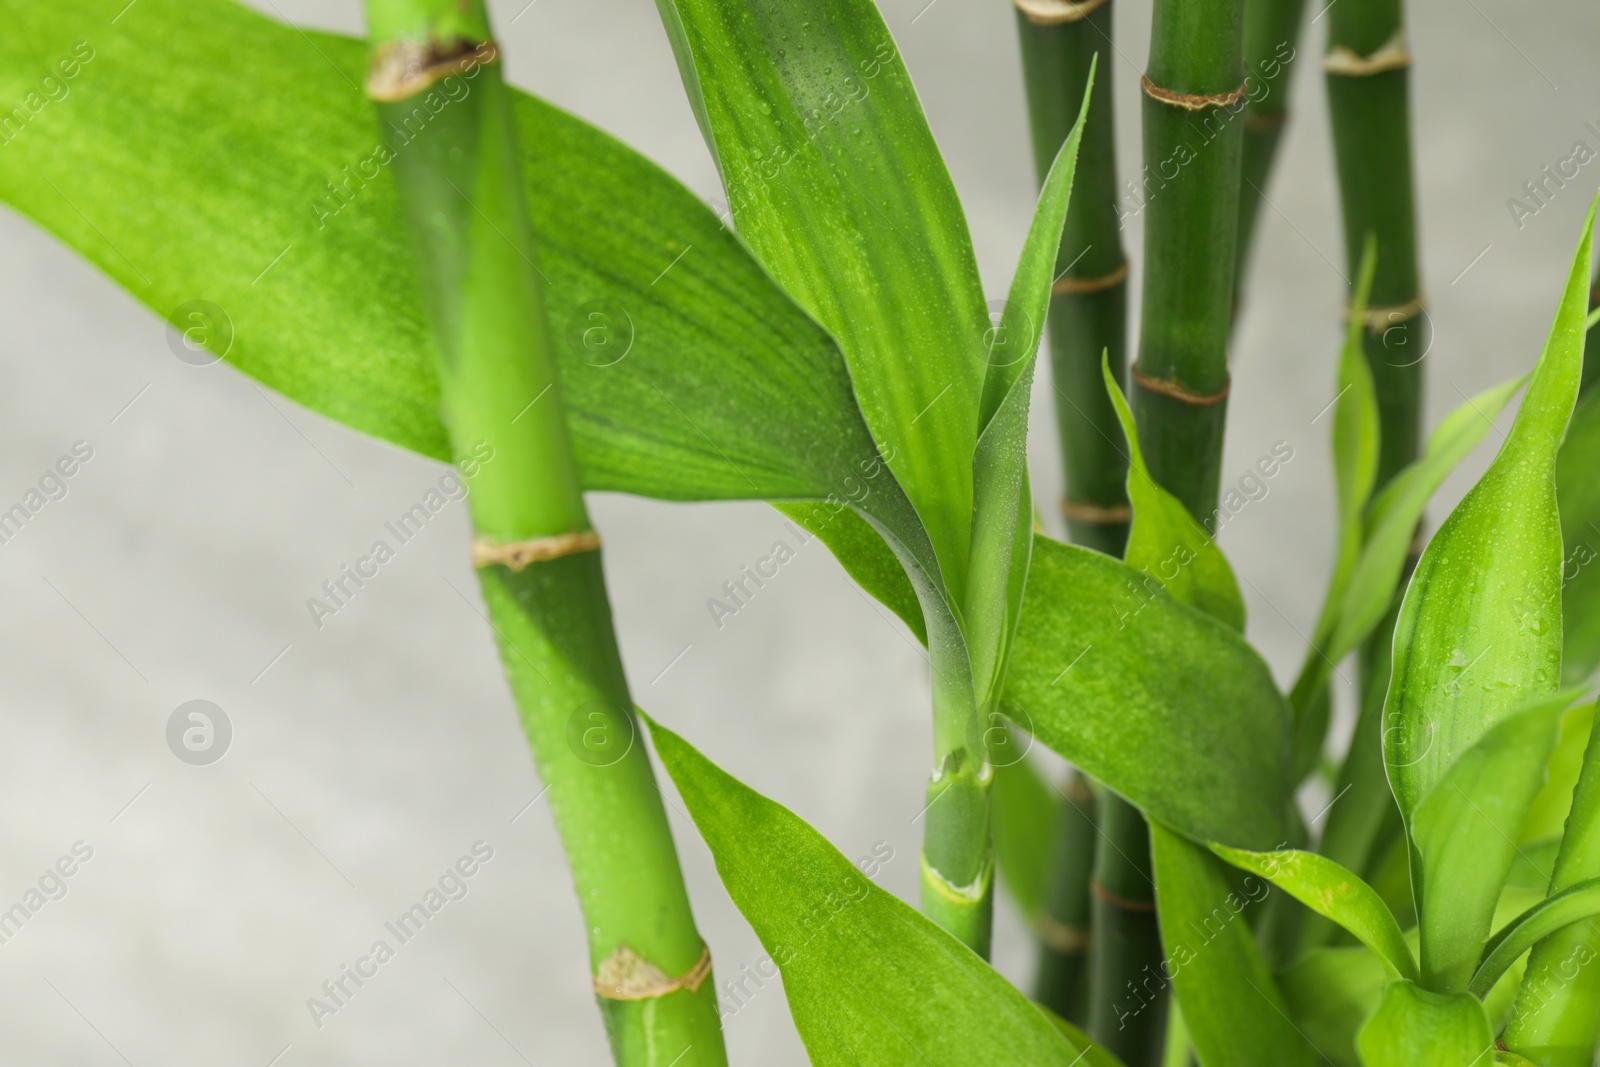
x=1334, y=893
x=869, y=981
x=686, y=373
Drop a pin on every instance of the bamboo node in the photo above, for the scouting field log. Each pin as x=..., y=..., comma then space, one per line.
x=1106, y=896
x=1057, y=12
x=1378, y=319
x=1090, y=285
x=1067, y=940
x=1191, y=101
x=1083, y=511
x=402, y=69
x=624, y=975
x=1391, y=55
x=1178, y=392
x=515, y=555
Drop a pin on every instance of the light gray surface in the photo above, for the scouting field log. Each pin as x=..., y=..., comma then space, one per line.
x=375, y=752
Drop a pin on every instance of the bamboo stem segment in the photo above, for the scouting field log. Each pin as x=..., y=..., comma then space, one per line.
x=539, y=565
x=1089, y=299
x=1195, y=92
x=1368, y=76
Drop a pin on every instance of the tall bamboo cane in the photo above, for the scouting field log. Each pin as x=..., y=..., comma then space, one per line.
x=1367, y=65
x=1194, y=93
x=1088, y=317
x=537, y=555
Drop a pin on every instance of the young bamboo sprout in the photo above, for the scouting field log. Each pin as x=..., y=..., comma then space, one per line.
x=537, y=555
x=1088, y=317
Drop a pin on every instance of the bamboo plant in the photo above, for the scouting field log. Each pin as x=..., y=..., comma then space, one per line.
x=834, y=356
x=536, y=553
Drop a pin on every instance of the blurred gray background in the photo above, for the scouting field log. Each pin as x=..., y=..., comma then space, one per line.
x=368, y=756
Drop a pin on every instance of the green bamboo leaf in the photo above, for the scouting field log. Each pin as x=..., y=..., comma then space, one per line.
x=1578, y=492
x=686, y=372
x=1415, y=1028
x=1231, y=1005
x=1165, y=538
x=1547, y=817
x=1002, y=511
x=1557, y=1015
x=1334, y=893
x=1573, y=904
x=835, y=182
x=1166, y=706
x=1464, y=834
x=1330, y=993
x=869, y=981
x=1392, y=522
x=1490, y=579
x=1479, y=632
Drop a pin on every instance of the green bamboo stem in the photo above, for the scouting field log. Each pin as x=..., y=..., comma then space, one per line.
x=1368, y=76
x=462, y=198
x=1556, y=1020
x=1088, y=317
x=957, y=860
x=1062, y=982
x=1194, y=93
x=1271, y=31
x=1089, y=301
x=1128, y=988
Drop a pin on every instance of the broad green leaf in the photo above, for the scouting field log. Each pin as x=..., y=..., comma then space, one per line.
x=1415, y=1028
x=1334, y=893
x=1557, y=1015
x=1330, y=993
x=1392, y=521
x=1165, y=542
x=1355, y=465
x=1096, y=1056
x=1002, y=510
x=1233, y=1009
x=1535, y=862
x=869, y=981
x=1166, y=706
x=249, y=175
x=1547, y=817
x=1480, y=626
x=1027, y=817
x=1464, y=834
x=1578, y=493
x=835, y=182
x=1575, y=903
